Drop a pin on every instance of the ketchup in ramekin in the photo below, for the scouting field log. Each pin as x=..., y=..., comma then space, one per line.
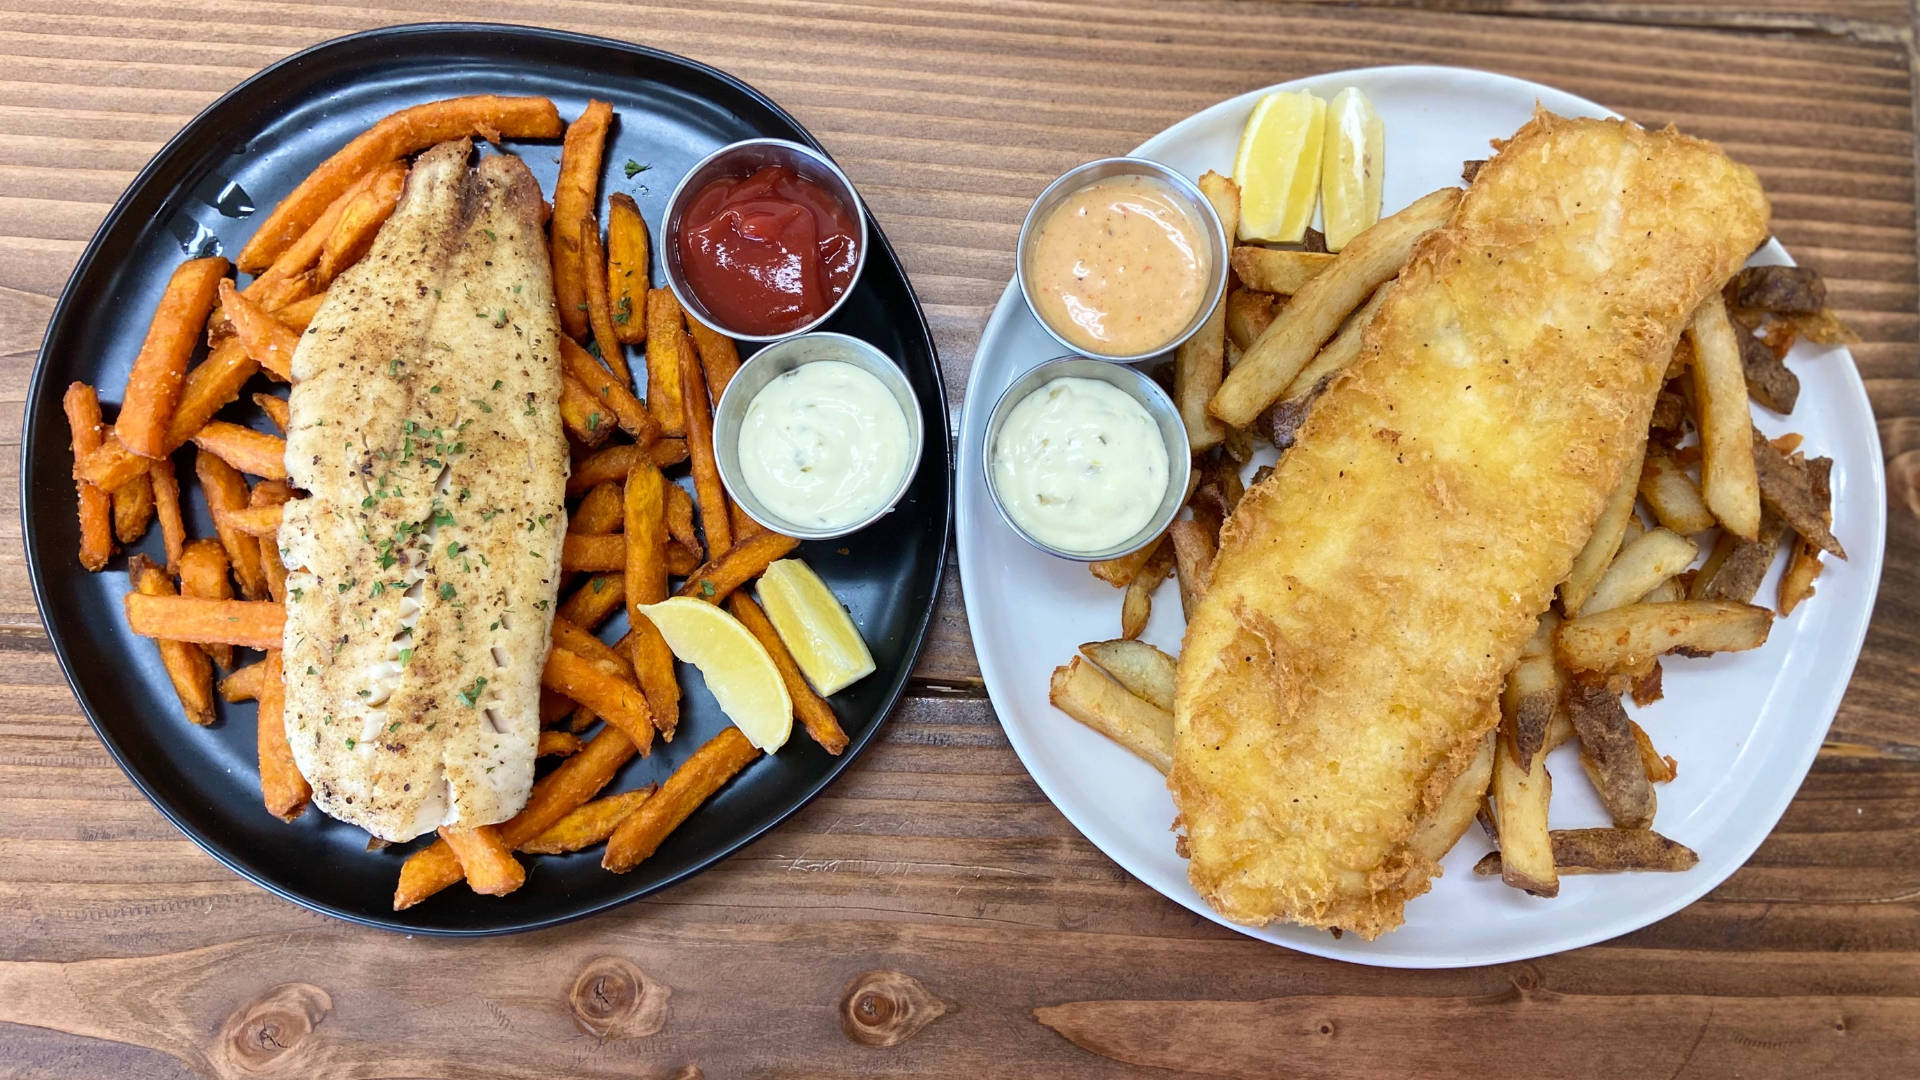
x=767, y=253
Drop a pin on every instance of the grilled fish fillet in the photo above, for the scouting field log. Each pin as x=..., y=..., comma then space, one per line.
x=1371, y=594
x=425, y=423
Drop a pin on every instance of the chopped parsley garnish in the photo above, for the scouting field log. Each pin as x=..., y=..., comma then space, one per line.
x=471, y=695
x=634, y=168
x=481, y=405
x=446, y=590
x=497, y=383
x=623, y=311
x=442, y=516
x=351, y=742
x=706, y=588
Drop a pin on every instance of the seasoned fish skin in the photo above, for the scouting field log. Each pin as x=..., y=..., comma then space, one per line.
x=1371, y=594
x=425, y=423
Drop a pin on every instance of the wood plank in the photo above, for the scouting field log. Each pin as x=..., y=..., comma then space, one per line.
x=1867, y=20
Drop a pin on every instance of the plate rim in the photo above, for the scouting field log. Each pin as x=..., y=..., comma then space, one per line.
x=181, y=143
x=970, y=454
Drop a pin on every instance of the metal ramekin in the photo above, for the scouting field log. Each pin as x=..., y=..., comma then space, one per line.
x=1075, y=179
x=778, y=359
x=739, y=160
x=1137, y=386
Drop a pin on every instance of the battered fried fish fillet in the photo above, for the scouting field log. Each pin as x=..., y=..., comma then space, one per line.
x=425, y=422
x=1372, y=593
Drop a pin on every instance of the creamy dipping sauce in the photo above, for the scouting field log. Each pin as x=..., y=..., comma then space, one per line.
x=1080, y=465
x=1118, y=267
x=824, y=445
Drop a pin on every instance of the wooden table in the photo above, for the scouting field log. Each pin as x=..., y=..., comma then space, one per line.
x=932, y=914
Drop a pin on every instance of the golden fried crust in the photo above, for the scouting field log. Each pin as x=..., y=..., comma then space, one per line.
x=1371, y=594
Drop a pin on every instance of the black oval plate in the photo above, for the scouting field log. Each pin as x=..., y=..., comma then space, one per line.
x=251, y=147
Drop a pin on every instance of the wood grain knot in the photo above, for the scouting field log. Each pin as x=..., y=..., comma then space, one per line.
x=1526, y=978
x=265, y=1035
x=613, y=999
x=1903, y=481
x=886, y=1008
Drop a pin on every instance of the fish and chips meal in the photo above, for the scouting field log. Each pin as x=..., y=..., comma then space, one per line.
x=1517, y=470
x=470, y=491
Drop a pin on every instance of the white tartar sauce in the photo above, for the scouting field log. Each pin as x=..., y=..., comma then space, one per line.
x=824, y=445
x=1080, y=465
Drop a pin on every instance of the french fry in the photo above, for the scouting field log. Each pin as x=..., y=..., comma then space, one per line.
x=1608, y=851
x=243, y=684
x=612, y=697
x=254, y=520
x=166, y=506
x=1193, y=551
x=698, y=424
x=628, y=263
x=575, y=193
x=204, y=574
x=1137, y=605
x=1521, y=794
x=250, y=451
x=366, y=208
x=1276, y=270
x=714, y=580
x=392, y=138
x=1146, y=672
x=1659, y=769
x=1655, y=556
x=187, y=666
x=1672, y=494
x=1336, y=354
x=255, y=624
x=133, y=509
x=1796, y=581
x=1120, y=571
x=595, y=600
x=646, y=583
x=602, y=511
x=628, y=411
x=1436, y=833
x=1729, y=486
x=267, y=340
x=82, y=406
x=226, y=491
x=591, y=824
x=1249, y=313
x=1627, y=640
x=665, y=339
x=809, y=708
x=1531, y=697
x=693, y=783
x=276, y=409
x=593, y=276
x=554, y=796
x=1610, y=755
x=719, y=357
x=1597, y=554
x=282, y=788
x=1321, y=304
x=595, y=554
x=615, y=462
x=1199, y=364
x=1738, y=570
x=1796, y=489
x=485, y=860
x=588, y=420
x=1092, y=697
x=159, y=371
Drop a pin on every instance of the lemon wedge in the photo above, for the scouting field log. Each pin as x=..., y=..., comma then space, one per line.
x=1278, y=166
x=815, y=628
x=738, y=670
x=1351, y=167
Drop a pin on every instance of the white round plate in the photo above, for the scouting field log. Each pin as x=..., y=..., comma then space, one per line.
x=1744, y=726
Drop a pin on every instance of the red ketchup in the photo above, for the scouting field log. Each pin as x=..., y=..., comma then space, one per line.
x=767, y=253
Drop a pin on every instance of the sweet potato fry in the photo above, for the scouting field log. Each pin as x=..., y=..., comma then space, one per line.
x=710, y=494
x=554, y=796
x=266, y=496
x=613, y=697
x=665, y=339
x=203, y=574
x=593, y=276
x=485, y=860
x=646, y=573
x=209, y=386
x=82, y=406
x=588, y=421
x=682, y=561
x=267, y=340
x=226, y=491
x=159, y=372
x=255, y=624
x=243, y=684
x=591, y=824
x=628, y=411
x=133, y=509
x=253, y=452
x=614, y=462
x=276, y=409
x=366, y=209
x=809, y=708
x=581, y=551
x=166, y=507
x=579, y=640
x=557, y=744
x=187, y=666
x=717, y=578
x=257, y=520
x=392, y=138
x=602, y=511
x=719, y=356
x=693, y=783
x=629, y=262
x=298, y=315
x=595, y=600
x=575, y=194
x=282, y=788
x=680, y=519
